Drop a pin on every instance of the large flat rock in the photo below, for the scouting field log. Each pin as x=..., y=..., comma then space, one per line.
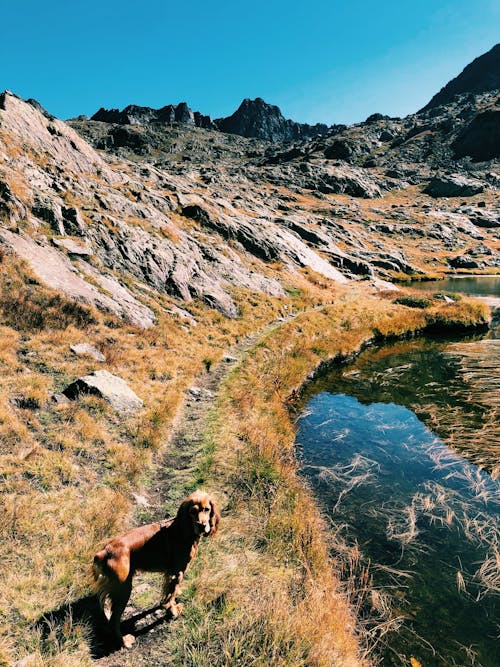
x=110, y=387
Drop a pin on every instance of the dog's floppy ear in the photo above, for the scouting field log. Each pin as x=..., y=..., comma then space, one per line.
x=214, y=516
x=183, y=511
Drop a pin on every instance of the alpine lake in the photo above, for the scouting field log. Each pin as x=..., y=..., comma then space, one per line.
x=402, y=451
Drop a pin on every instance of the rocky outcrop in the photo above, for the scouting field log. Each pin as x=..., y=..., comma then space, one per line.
x=56, y=270
x=110, y=387
x=348, y=150
x=453, y=185
x=50, y=140
x=326, y=179
x=481, y=75
x=480, y=139
x=167, y=115
x=256, y=118
x=483, y=218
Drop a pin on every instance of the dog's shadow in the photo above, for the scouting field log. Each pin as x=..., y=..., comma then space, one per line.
x=59, y=626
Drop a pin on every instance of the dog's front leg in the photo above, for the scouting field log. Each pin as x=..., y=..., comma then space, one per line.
x=171, y=589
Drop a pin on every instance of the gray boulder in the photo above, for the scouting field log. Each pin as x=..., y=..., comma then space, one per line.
x=453, y=185
x=110, y=387
x=486, y=219
x=463, y=262
x=84, y=350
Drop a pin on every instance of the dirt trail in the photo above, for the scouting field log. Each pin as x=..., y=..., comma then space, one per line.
x=172, y=472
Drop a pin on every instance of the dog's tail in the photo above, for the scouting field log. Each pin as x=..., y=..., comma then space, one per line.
x=102, y=581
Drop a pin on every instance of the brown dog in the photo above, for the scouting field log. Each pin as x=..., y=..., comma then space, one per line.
x=167, y=547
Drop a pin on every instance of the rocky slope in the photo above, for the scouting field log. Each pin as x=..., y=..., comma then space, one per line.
x=110, y=208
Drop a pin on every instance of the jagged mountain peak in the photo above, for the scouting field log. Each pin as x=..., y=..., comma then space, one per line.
x=261, y=120
x=480, y=76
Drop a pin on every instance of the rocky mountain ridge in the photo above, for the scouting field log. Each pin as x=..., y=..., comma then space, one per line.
x=254, y=118
x=261, y=120
x=167, y=115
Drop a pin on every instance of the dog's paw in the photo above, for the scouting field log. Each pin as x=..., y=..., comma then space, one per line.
x=128, y=641
x=177, y=609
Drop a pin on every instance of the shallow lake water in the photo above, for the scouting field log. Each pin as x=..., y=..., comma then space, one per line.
x=473, y=285
x=421, y=516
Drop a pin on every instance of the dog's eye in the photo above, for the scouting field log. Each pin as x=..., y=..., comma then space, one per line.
x=205, y=509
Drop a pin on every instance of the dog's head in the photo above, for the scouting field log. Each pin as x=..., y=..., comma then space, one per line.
x=201, y=511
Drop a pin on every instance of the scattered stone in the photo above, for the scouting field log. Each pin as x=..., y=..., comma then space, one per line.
x=25, y=403
x=59, y=399
x=111, y=388
x=142, y=501
x=229, y=359
x=444, y=297
x=84, y=349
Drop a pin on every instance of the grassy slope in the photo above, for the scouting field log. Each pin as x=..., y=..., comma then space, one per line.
x=68, y=471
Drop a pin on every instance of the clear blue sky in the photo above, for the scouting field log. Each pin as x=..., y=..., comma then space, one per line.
x=324, y=60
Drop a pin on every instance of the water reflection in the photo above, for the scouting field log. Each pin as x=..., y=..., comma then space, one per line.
x=425, y=518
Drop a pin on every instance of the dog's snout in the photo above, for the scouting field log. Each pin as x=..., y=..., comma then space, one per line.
x=203, y=527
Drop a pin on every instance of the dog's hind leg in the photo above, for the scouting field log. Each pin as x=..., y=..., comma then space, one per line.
x=119, y=595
